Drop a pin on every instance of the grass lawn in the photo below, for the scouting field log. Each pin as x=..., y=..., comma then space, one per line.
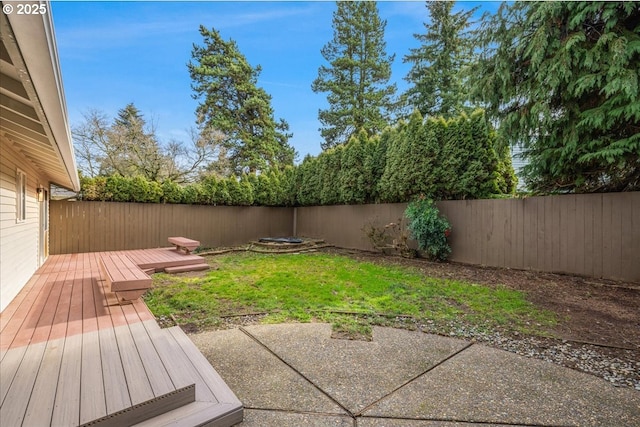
x=352, y=295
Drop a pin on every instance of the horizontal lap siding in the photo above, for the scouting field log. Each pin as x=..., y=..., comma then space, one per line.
x=18, y=240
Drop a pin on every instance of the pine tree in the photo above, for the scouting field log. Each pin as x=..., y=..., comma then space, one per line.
x=232, y=103
x=171, y=192
x=134, y=149
x=438, y=85
x=420, y=173
x=562, y=80
x=288, y=187
x=357, y=76
x=507, y=181
x=233, y=188
x=265, y=194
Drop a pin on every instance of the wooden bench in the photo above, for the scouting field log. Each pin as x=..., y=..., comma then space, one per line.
x=183, y=243
x=123, y=277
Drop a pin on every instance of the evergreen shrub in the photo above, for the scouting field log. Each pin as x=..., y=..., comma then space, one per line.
x=429, y=228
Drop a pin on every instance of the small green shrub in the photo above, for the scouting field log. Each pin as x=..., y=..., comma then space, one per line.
x=171, y=192
x=429, y=228
x=94, y=188
x=118, y=188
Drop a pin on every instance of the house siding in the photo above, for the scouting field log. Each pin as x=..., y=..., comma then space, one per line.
x=519, y=162
x=19, y=241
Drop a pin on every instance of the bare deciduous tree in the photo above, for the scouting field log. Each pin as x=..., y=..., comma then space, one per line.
x=128, y=146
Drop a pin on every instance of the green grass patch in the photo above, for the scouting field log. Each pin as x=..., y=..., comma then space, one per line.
x=351, y=294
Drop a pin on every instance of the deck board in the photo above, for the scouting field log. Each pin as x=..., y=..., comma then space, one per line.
x=15, y=402
x=8, y=369
x=170, y=358
x=19, y=301
x=42, y=400
x=116, y=388
x=136, y=375
x=91, y=382
x=41, y=403
x=212, y=379
x=66, y=410
x=157, y=374
x=20, y=315
x=67, y=357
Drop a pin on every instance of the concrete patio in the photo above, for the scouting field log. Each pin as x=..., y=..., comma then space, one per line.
x=297, y=375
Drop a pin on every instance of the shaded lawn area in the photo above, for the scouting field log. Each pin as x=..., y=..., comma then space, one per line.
x=351, y=294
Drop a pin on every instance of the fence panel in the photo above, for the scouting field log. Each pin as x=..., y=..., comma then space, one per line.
x=102, y=226
x=594, y=235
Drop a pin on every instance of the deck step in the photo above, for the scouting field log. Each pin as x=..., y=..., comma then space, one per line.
x=148, y=410
x=161, y=258
x=198, y=414
x=183, y=268
x=215, y=404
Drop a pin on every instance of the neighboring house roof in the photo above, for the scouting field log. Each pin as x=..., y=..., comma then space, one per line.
x=33, y=112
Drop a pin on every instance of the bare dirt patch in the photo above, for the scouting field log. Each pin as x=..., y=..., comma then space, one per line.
x=589, y=310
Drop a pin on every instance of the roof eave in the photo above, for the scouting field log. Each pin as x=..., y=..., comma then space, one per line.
x=35, y=38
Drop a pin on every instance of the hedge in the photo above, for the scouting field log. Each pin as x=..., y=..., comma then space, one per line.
x=443, y=159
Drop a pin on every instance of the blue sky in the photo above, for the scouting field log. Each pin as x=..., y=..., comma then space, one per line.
x=114, y=53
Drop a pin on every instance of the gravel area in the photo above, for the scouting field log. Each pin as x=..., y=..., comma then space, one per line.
x=621, y=367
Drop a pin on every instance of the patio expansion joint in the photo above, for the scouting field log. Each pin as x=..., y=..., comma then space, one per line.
x=316, y=386
x=421, y=374
x=293, y=411
x=461, y=421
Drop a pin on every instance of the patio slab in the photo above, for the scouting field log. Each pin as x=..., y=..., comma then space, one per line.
x=486, y=385
x=356, y=373
x=258, y=378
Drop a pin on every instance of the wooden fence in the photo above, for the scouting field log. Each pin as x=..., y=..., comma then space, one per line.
x=102, y=226
x=595, y=235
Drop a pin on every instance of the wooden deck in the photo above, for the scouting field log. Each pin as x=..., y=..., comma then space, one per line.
x=67, y=358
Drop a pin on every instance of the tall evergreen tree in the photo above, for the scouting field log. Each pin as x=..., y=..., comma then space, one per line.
x=353, y=176
x=357, y=77
x=329, y=166
x=376, y=162
x=310, y=184
x=232, y=103
x=438, y=85
x=562, y=79
x=137, y=146
x=392, y=185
